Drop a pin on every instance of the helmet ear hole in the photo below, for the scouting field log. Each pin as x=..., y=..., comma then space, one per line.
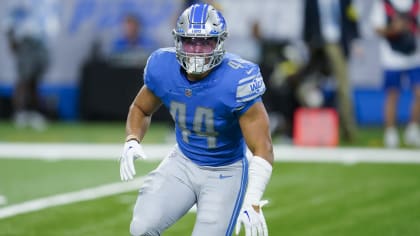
x=200, y=21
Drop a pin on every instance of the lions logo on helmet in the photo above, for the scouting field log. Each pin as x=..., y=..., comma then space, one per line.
x=199, y=35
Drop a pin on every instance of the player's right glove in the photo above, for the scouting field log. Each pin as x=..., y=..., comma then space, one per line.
x=254, y=222
x=132, y=151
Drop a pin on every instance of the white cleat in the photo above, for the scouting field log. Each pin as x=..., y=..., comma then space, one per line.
x=20, y=119
x=391, y=139
x=412, y=135
x=37, y=121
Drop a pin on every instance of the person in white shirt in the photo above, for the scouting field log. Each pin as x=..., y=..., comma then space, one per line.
x=397, y=23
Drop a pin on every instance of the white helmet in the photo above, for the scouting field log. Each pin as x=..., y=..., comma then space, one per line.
x=199, y=35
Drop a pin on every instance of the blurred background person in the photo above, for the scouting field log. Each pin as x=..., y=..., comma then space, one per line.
x=330, y=30
x=131, y=46
x=397, y=24
x=131, y=37
x=26, y=42
x=242, y=31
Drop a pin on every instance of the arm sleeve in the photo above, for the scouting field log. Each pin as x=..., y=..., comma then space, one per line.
x=148, y=75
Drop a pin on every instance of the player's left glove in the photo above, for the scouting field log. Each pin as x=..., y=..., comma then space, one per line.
x=132, y=151
x=253, y=221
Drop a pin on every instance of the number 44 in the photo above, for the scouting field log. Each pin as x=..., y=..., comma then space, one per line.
x=202, y=116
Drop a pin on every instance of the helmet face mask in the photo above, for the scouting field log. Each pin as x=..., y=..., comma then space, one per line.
x=199, y=35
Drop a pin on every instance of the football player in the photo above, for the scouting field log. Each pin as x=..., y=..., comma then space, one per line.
x=215, y=101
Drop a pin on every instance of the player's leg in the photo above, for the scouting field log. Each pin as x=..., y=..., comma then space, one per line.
x=164, y=197
x=412, y=132
x=392, y=86
x=345, y=104
x=21, y=93
x=220, y=199
x=35, y=117
x=19, y=104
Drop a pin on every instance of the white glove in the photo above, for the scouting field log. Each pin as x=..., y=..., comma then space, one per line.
x=254, y=222
x=132, y=151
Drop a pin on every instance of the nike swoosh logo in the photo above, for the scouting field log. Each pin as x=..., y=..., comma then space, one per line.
x=249, y=71
x=224, y=176
x=246, y=213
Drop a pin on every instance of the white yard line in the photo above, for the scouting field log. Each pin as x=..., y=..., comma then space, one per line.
x=58, y=151
x=71, y=197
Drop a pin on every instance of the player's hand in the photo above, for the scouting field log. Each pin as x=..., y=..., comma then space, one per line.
x=253, y=221
x=132, y=151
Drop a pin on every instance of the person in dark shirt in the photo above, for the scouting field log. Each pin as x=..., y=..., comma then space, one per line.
x=28, y=46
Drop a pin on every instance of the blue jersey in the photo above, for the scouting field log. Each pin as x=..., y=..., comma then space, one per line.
x=206, y=112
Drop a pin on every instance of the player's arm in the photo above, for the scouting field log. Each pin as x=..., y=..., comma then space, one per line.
x=138, y=121
x=140, y=113
x=256, y=131
x=396, y=27
x=254, y=123
x=255, y=128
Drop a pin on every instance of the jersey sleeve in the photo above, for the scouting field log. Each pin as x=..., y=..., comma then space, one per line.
x=249, y=89
x=148, y=75
x=156, y=71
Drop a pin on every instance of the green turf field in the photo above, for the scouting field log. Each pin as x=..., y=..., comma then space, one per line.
x=305, y=199
x=114, y=132
x=79, y=132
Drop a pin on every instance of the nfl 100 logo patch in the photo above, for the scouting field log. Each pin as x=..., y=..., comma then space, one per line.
x=188, y=92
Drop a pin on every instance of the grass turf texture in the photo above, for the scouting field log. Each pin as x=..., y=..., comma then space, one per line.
x=22, y=180
x=305, y=199
x=114, y=132
x=79, y=132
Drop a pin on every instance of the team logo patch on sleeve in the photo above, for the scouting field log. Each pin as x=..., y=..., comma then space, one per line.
x=249, y=88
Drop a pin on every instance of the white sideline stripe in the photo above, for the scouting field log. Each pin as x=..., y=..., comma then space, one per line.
x=71, y=197
x=282, y=153
x=346, y=155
